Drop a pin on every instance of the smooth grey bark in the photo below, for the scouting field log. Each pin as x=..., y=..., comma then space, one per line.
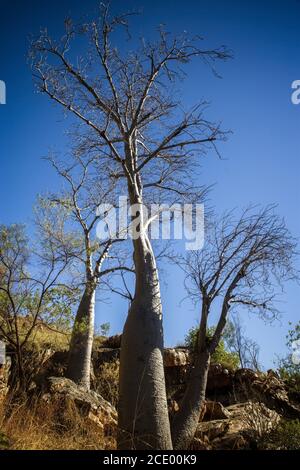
x=143, y=412
x=187, y=418
x=80, y=352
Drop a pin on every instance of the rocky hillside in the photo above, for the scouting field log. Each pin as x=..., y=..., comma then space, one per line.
x=243, y=410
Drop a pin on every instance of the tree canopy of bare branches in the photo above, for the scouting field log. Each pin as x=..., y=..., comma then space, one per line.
x=95, y=258
x=245, y=260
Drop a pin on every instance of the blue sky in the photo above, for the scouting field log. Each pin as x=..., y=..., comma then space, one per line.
x=253, y=99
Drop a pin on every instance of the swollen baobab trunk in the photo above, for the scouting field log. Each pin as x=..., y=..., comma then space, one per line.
x=143, y=413
x=187, y=418
x=79, y=363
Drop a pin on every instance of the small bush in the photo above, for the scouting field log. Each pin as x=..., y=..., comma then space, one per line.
x=292, y=378
x=288, y=368
x=286, y=436
x=228, y=359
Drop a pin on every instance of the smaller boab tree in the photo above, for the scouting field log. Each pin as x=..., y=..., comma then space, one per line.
x=96, y=259
x=242, y=263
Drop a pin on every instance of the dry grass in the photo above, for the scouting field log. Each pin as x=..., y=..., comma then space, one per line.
x=44, y=337
x=37, y=427
x=107, y=381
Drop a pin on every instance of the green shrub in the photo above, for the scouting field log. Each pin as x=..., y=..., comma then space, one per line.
x=228, y=359
x=286, y=436
x=292, y=378
x=288, y=369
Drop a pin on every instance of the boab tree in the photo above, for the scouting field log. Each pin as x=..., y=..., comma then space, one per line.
x=243, y=260
x=96, y=259
x=126, y=104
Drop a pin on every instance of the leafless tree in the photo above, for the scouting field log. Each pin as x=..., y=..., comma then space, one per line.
x=237, y=342
x=243, y=261
x=96, y=259
x=126, y=107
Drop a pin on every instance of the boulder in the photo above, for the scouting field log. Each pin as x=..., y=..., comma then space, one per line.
x=244, y=424
x=89, y=404
x=214, y=410
x=199, y=444
x=113, y=342
x=176, y=357
x=252, y=416
x=231, y=442
x=268, y=389
x=176, y=362
x=245, y=376
x=210, y=430
x=54, y=365
x=219, y=378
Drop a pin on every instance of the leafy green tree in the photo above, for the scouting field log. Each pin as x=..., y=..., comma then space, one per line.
x=221, y=355
x=104, y=328
x=289, y=367
x=30, y=279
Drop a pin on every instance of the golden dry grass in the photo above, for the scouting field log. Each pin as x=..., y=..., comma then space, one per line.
x=107, y=381
x=36, y=427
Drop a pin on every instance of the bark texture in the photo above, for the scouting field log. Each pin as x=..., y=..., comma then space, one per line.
x=143, y=413
x=187, y=418
x=79, y=363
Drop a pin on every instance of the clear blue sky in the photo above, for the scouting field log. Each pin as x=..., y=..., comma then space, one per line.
x=260, y=160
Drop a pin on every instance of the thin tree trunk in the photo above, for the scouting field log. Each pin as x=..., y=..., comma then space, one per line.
x=143, y=412
x=21, y=374
x=187, y=418
x=80, y=353
x=17, y=376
